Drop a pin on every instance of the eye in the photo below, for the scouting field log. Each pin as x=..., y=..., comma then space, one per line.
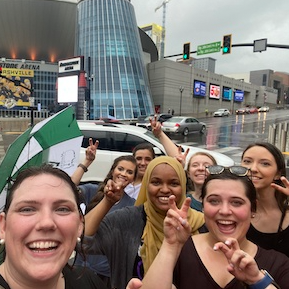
x=237, y=203
x=27, y=210
x=266, y=164
x=63, y=210
x=246, y=161
x=175, y=184
x=213, y=201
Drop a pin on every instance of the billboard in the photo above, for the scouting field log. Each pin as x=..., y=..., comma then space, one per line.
x=199, y=89
x=214, y=91
x=15, y=88
x=67, y=89
x=238, y=95
x=227, y=93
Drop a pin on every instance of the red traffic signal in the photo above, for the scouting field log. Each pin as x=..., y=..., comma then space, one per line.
x=0, y=70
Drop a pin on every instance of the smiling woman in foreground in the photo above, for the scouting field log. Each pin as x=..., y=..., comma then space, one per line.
x=223, y=257
x=40, y=226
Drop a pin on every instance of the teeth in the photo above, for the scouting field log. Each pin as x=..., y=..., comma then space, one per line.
x=223, y=222
x=42, y=245
x=164, y=198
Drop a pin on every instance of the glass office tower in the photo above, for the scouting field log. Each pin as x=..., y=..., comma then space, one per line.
x=107, y=35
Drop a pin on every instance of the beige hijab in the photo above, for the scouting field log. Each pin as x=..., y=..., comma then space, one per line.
x=153, y=234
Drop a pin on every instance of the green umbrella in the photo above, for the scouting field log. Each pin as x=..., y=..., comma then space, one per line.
x=55, y=140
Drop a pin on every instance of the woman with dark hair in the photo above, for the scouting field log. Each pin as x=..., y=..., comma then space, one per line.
x=223, y=257
x=40, y=226
x=270, y=224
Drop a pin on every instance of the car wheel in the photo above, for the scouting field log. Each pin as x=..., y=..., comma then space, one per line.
x=203, y=129
x=186, y=131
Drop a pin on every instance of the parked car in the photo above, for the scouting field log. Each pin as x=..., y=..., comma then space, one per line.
x=242, y=110
x=183, y=125
x=221, y=112
x=264, y=109
x=253, y=109
x=146, y=122
x=119, y=139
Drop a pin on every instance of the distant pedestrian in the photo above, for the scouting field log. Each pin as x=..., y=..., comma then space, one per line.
x=173, y=111
x=169, y=111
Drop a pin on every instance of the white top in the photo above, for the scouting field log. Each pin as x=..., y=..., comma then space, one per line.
x=132, y=190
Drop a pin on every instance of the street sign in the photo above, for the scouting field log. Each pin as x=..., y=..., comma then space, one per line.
x=209, y=48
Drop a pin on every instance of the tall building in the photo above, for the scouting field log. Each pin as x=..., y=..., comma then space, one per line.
x=107, y=36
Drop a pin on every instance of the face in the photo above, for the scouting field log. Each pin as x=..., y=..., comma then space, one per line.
x=143, y=158
x=41, y=228
x=163, y=183
x=124, y=173
x=197, y=169
x=262, y=165
x=227, y=210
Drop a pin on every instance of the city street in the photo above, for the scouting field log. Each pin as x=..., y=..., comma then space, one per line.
x=228, y=135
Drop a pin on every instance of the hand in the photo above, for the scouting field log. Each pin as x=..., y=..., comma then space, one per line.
x=156, y=126
x=134, y=283
x=241, y=264
x=176, y=227
x=91, y=150
x=113, y=191
x=281, y=189
x=181, y=157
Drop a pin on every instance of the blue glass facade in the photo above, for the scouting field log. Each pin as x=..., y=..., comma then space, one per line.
x=107, y=33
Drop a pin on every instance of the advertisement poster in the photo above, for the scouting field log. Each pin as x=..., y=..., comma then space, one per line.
x=15, y=94
x=214, y=91
x=239, y=96
x=199, y=89
x=227, y=93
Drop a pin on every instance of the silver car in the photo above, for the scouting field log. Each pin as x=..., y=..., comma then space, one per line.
x=183, y=125
x=221, y=112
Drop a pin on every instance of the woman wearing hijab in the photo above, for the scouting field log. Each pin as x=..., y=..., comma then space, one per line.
x=131, y=237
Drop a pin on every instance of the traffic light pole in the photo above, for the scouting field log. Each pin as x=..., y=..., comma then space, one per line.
x=281, y=46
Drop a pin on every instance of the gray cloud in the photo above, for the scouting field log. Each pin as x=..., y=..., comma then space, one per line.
x=206, y=21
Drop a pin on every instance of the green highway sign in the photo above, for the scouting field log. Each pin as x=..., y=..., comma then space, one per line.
x=209, y=48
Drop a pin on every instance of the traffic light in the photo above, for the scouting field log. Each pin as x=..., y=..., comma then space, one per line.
x=186, y=51
x=0, y=70
x=227, y=44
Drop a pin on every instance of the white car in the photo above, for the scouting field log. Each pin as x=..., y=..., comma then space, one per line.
x=264, y=109
x=119, y=139
x=221, y=112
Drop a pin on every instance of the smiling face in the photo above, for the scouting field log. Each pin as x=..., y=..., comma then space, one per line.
x=227, y=209
x=197, y=168
x=163, y=183
x=143, y=158
x=40, y=228
x=262, y=165
x=124, y=173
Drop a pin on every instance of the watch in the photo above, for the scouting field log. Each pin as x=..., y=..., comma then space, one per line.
x=264, y=282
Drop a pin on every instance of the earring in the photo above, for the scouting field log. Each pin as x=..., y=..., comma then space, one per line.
x=2, y=241
x=78, y=240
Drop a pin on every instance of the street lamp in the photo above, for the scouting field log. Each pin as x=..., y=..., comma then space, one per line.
x=181, y=98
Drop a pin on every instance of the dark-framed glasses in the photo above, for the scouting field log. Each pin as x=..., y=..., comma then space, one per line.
x=235, y=170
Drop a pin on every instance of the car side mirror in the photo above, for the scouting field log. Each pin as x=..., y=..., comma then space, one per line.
x=158, y=152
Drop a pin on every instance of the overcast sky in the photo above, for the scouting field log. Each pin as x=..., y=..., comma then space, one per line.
x=206, y=21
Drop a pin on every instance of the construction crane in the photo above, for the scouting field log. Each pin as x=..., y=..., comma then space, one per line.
x=164, y=5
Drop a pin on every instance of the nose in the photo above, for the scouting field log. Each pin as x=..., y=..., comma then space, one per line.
x=165, y=188
x=225, y=209
x=45, y=221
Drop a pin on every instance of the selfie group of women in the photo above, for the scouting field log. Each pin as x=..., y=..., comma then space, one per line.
x=157, y=222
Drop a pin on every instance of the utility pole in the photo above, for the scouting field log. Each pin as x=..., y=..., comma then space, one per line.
x=181, y=98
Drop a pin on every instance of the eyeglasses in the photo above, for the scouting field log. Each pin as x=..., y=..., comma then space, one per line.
x=235, y=170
